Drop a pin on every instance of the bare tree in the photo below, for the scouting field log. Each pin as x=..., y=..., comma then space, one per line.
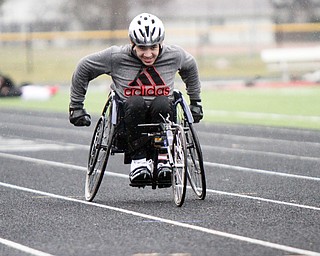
x=107, y=14
x=99, y=14
x=1, y=2
x=295, y=11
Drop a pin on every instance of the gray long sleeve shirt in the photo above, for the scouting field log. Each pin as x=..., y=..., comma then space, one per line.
x=130, y=77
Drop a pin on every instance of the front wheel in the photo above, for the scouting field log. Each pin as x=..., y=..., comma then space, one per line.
x=195, y=170
x=196, y=174
x=98, y=156
x=179, y=170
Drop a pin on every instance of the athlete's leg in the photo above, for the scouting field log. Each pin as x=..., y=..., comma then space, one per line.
x=135, y=113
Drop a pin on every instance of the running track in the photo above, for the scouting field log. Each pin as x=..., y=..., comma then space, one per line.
x=263, y=195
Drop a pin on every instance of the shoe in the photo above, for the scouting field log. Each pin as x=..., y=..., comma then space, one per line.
x=140, y=174
x=164, y=175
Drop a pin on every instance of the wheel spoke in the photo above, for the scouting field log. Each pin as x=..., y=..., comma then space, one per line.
x=195, y=171
x=99, y=154
x=180, y=166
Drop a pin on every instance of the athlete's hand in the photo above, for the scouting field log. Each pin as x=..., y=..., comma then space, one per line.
x=196, y=110
x=79, y=117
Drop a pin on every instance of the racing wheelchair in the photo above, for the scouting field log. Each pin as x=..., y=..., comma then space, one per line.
x=178, y=139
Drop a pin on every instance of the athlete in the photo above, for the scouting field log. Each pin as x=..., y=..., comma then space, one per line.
x=143, y=74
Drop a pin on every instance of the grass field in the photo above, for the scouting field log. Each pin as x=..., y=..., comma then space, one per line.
x=54, y=65
x=285, y=107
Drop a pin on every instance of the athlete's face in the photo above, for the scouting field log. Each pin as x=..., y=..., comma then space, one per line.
x=147, y=54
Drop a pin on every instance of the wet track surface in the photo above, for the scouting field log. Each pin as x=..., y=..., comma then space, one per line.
x=263, y=195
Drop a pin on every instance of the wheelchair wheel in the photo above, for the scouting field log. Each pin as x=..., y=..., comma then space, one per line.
x=195, y=170
x=98, y=155
x=179, y=170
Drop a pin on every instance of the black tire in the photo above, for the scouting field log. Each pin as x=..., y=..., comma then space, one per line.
x=95, y=145
x=195, y=170
x=179, y=169
x=98, y=155
x=196, y=173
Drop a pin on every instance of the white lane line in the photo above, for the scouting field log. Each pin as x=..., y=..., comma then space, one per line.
x=261, y=153
x=125, y=176
x=241, y=138
x=86, y=131
x=245, y=169
x=172, y=222
x=259, y=115
x=51, y=130
x=53, y=163
x=263, y=199
x=23, y=248
x=21, y=145
x=36, y=147
x=224, y=166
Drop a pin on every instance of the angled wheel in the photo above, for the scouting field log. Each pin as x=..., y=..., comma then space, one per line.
x=195, y=170
x=95, y=146
x=179, y=170
x=98, y=155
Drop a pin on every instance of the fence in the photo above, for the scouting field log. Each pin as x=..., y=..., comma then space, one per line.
x=275, y=29
x=41, y=56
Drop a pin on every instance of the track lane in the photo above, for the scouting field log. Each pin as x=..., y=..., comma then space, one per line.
x=232, y=205
x=171, y=222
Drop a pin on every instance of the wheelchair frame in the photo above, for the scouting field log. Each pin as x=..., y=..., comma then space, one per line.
x=183, y=149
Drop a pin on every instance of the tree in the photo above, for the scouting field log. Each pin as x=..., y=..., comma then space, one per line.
x=294, y=11
x=107, y=14
x=1, y=3
x=99, y=14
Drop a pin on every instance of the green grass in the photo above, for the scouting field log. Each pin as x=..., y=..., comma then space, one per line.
x=289, y=101
x=58, y=103
x=47, y=65
x=287, y=107
x=54, y=65
x=232, y=66
x=295, y=107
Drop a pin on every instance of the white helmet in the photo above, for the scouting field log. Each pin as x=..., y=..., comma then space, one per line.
x=146, y=30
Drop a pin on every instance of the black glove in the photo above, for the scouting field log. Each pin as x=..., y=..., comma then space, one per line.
x=196, y=110
x=79, y=117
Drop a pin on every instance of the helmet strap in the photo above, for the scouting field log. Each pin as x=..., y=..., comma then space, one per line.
x=160, y=49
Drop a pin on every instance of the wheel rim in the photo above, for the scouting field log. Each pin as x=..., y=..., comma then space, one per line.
x=95, y=146
x=179, y=168
x=94, y=178
x=194, y=172
x=98, y=157
x=195, y=169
